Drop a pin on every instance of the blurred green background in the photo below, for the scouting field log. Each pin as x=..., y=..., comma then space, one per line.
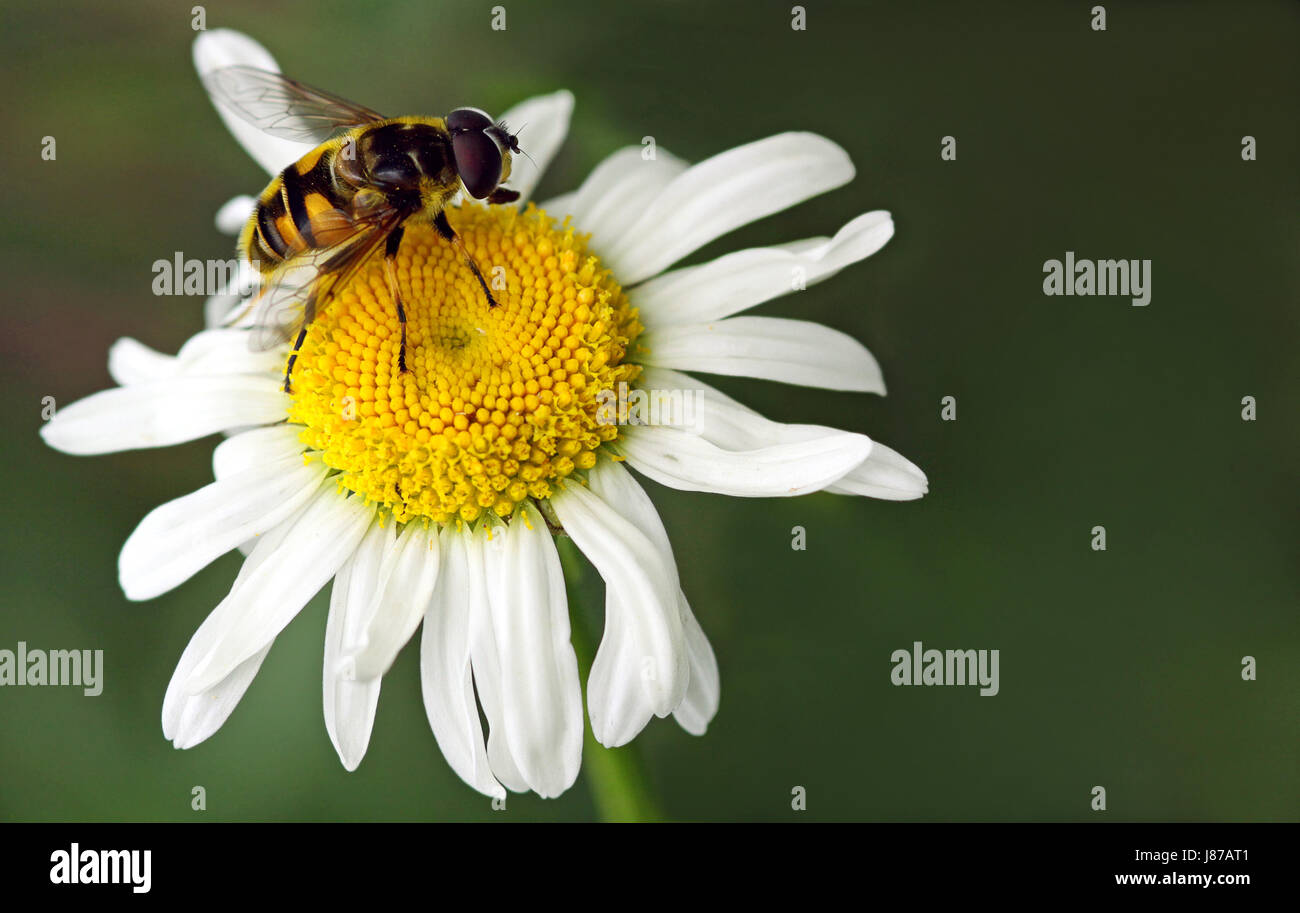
x=1119, y=668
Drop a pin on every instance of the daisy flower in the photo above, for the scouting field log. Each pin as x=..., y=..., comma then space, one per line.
x=430, y=499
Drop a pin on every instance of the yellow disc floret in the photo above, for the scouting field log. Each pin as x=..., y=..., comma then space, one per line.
x=499, y=403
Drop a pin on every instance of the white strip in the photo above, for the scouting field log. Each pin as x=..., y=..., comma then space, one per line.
x=132, y=362
x=349, y=704
x=540, y=124
x=721, y=420
x=642, y=589
x=612, y=198
x=181, y=537
x=446, y=681
x=700, y=705
x=216, y=48
x=736, y=282
x=683, y=460
x=189, y=719
x=256, y=447
x=559, y=207
x=886, y=475
x=164, y=412
x=259, y=607
x=541, y=700
x=720, y=194
x=638, y=644
x=769, y=348
x=396, y=606
x=227, y=351
x=484, y=561
x=234, y=214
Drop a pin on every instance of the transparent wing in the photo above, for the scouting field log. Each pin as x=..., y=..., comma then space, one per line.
x=288, y=301
x=304, y=284
x=284, y=107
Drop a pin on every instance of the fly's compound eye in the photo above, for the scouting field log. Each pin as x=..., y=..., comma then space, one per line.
x=478, y=161
x=464, y=120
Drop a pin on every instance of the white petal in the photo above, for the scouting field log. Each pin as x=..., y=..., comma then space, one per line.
x=258, y=608
x=217, y=48
x=541, y=123
x=226, y=351
x=164, y=412
x=805, y=245
x=484, y=557
x=612, y=483
x=218, y=308
x=188, y=719
x=641, y=592
x=234, y=214
x=700, y=700
x=349, y=704
x=255, y=448
x=445, y=677
x=212, y=351
x=736, y=282
x=541, y=700
x=133, y=362
x=232, y=306
x=682, y=401
x=397, y=604
x=639, y=643
x=181, y=537
x=681, y=459
x=886, y=474
x=721, y=420
x=769, y=348
x=618, y=704
x=618, y=190
x=667, y=380
x=559, y=207
x=724, y=192
x=700, y=705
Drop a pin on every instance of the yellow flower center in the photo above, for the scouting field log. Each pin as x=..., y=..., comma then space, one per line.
x=498, y=403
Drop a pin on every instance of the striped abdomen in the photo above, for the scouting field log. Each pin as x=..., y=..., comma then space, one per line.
x=303, y=208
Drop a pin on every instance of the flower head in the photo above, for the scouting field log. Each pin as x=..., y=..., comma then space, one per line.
x=500, y=403
x=430, y=498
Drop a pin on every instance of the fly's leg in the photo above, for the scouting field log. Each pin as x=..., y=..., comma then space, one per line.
x=308, y=316
x=444, y=228
x=390, y=273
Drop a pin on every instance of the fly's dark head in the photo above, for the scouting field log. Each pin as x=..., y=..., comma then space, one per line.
x=481, y=149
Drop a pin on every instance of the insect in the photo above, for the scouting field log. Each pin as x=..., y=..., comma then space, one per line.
x=323, y=217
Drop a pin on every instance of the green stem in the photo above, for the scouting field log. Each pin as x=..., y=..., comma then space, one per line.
x=616, y=776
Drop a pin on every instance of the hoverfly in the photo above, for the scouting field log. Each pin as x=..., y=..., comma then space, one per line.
x=322, y=218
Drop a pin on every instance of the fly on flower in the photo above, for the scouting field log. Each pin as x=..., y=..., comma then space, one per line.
x=325, y=215
x=423, y=460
